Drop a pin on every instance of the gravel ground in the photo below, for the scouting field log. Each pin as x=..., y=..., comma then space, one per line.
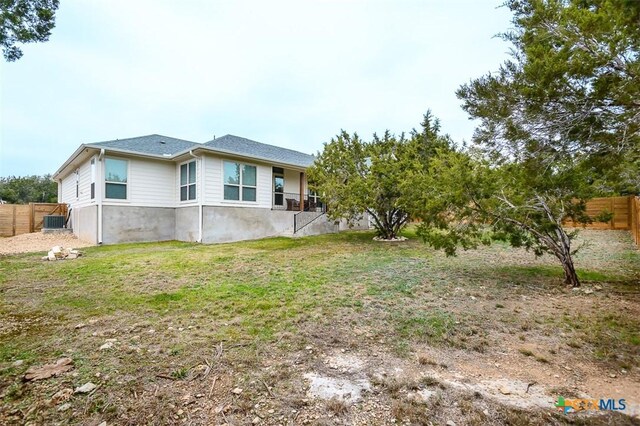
x=37, y=241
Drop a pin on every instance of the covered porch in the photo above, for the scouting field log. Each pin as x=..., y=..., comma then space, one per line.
x=291, y=193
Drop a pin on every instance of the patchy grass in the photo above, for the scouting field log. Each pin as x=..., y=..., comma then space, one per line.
x=244, y=314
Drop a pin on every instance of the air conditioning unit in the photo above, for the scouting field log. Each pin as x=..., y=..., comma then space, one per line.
x=53, y=222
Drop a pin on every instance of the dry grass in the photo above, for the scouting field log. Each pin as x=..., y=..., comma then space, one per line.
x=194, y=322
x=337, y=406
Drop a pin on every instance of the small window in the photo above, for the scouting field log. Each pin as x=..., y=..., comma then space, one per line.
x=77, y=183
x=115, y=177
x=188, y=181
x=93, y=178
x=240, y=181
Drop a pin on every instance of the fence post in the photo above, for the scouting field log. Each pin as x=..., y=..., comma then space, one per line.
x=32, y=213
x=13, y=228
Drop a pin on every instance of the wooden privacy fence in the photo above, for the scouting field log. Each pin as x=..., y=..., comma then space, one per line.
x=635, y=219
x=625, y=214
x=16, y=219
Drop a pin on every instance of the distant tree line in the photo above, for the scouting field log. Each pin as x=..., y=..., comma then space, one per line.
x=28, y=189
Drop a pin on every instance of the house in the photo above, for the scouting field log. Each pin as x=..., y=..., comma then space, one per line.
x=155, y=188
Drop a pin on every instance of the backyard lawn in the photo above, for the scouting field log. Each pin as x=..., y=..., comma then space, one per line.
x=266, y=332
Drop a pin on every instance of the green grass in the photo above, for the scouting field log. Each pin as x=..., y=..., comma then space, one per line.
x=171, y=304
x=555, y=271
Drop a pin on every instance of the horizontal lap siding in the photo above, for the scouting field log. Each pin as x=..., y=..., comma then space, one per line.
x=68, y=189
x=151, y=183
x=212, y=180
x=85, y=185
x=265, y=186
x=291, y=181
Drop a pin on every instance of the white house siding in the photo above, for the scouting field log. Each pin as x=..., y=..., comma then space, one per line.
x=68, y=189
x=83, y=216
x=149, y=183
x=85, y=185
x=292, y=181
x=214, y=185
x=212, y=180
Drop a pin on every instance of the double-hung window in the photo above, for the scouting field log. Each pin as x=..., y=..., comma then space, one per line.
x=93, y=178
x=188, y=181
x=77, y=183
x=239, y=181
x=115, y=177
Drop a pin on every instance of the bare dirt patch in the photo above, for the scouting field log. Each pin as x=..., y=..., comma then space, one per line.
x=332, y=330
x=37, y=242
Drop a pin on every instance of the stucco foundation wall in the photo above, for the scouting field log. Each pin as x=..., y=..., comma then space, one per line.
x=226, y=224
x=187, y=224
x=84, y=222
x=123, y=224
x=321, y=225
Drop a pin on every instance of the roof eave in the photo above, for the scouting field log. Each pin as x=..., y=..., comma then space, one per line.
x=169, y=157
x=98, y=147
x=244, y=156
x=70, y=160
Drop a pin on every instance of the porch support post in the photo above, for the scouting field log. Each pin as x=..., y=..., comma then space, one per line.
x=301, y=191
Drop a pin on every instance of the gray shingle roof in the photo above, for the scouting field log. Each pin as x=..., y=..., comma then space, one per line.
x=247, y=147
x=168, y=147
x=151, y=144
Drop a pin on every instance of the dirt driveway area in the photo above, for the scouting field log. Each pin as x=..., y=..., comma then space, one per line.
x=37, y=241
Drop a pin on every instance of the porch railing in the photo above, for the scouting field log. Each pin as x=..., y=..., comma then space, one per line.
x=291, y=201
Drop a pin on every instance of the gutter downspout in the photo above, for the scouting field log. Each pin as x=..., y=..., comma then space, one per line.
x=201, y=194
x=100, y=185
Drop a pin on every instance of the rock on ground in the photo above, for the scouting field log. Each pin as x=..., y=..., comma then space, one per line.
x=44, y=372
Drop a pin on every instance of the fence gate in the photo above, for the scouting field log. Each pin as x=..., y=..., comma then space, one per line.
x=16, y=219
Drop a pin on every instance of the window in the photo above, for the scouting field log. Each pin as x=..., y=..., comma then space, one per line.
x=93, y=178
x=188, y=181
x=278, y=186
x=239, y=181
x=77, y=183
x=115, y=177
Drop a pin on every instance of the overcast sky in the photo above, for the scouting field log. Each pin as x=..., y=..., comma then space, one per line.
x=287, y=73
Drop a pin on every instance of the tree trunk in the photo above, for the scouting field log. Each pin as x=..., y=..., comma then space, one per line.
x=570, y=275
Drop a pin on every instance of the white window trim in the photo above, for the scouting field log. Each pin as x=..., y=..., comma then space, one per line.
x=187, y=201
x=240, y=185
x=105, y=181
x=92, y=178
x=77, y=174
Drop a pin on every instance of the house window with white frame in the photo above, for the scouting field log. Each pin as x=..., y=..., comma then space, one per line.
x=115, y=178
x=188, y=181
x=240, y=181
x=93, y=178
x=77, y=183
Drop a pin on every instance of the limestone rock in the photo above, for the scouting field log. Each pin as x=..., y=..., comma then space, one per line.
x=40, y=373
x=86, y=388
